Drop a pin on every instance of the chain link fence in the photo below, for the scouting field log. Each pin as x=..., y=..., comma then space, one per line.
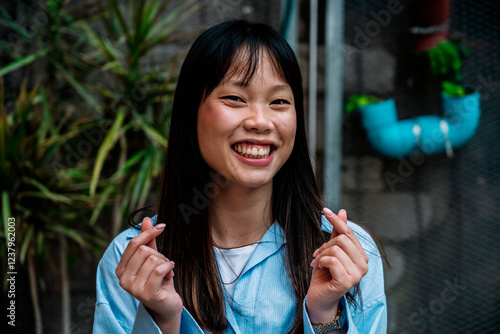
x=438, y=217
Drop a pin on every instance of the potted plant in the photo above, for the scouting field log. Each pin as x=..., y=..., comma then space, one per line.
x=386, y=134
x=446, y=60
x=460, y=106
x=461, y=110
x=374, y=110
x=431, y=134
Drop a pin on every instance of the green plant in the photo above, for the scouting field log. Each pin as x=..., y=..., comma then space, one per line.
x=445, y=60
x=37, y=127
x=453, y=89
x=49, y=208
x=137, y=97
x=357, y=101
x=81, y=70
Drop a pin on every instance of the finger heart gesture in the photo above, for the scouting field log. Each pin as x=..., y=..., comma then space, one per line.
x=339, y=264
x=148, y=275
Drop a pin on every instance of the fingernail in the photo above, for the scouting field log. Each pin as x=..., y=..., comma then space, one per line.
x=316, y=252
x=328, y=212
x=172, y=262
x=312, y=263
x=320, y=266
x=160, y=227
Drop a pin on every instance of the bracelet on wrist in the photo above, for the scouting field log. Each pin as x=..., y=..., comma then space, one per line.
x=337, y=323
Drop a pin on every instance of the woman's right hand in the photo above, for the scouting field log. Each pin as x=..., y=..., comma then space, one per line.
x=148, y=275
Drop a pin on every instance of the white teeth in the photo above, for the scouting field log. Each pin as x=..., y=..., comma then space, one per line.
x=252, y=153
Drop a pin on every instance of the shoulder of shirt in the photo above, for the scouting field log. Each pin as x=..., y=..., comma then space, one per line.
x=363, y=236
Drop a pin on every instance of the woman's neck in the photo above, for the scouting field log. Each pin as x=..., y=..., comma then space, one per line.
x=240, y=217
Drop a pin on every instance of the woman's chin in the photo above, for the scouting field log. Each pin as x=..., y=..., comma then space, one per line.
x=254, y=182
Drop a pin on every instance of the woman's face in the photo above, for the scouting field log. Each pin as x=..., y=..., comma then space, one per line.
x=246, y=133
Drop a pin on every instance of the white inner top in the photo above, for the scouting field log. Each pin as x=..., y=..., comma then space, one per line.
x=238, y=258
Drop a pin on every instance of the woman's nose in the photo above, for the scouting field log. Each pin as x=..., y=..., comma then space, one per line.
x=258, y=120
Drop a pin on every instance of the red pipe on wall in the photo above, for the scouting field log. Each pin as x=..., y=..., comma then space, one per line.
x=429, y=23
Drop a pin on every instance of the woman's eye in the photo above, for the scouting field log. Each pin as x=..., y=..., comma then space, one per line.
x=280, y=102
x=232, y=98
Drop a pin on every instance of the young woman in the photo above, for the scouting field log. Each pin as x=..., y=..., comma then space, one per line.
x=239, y=212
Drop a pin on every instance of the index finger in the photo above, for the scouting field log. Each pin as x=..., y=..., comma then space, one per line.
x=340, y=226
x=329, y=216
x=142, y=239
x=146, y=225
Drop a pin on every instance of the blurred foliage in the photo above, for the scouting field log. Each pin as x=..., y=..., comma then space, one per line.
x=453, y=89
x=85, y=100
x=359, y=100
x=445, y=60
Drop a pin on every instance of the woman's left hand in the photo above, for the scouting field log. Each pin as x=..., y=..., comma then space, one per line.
x=339, y=265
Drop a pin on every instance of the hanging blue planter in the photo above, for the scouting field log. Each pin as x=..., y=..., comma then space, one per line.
x=462, y=114
x=430, y=134
x=379, y=113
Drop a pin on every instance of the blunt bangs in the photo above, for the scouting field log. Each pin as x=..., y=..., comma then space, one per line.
x=239, y=47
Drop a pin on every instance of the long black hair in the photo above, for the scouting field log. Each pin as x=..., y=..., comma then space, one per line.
x=182, y=205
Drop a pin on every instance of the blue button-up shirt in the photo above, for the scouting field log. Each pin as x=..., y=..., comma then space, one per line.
x=264, y=299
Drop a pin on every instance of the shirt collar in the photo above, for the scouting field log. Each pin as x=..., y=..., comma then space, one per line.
x=270, y=243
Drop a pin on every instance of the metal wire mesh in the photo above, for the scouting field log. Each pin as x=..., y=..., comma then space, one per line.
x=440, y=223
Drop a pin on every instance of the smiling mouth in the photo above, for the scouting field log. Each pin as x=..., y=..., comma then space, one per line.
x=253, y=151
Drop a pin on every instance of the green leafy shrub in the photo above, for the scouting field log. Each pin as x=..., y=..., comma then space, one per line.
x=360, y=100
x=84, y=117
x=445, y=60
x=453, y=89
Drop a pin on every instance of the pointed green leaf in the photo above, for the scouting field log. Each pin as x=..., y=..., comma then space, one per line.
x=46, y=118
x=162, y=30
x=141, y=177
x=4, y=128
x=104, y=45
x=44, y=192
x=23, y=61
x=126, y=167
x=103, y=200
x=12, y=24
x=116, y=10
x=107, y=144
x=5, y=212
x=26, y=242
x=86, y=95
x=71, y=233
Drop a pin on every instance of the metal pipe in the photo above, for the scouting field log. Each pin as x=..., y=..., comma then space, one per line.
x=313, y=64
x=334, y=41
x=290, y=23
